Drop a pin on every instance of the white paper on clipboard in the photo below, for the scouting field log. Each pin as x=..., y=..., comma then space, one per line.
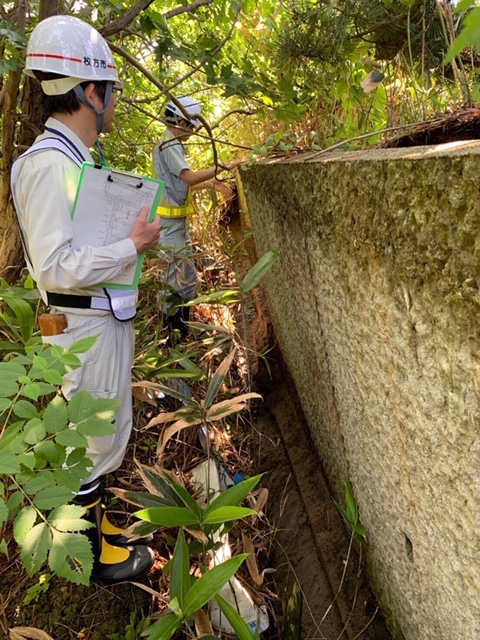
x=106, y=207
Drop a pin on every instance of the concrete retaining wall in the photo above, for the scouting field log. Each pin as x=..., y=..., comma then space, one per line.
x=375, y=303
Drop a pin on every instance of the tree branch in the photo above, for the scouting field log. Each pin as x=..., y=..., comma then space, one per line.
x=129, y=16
x=188, y=9
x=133, y=61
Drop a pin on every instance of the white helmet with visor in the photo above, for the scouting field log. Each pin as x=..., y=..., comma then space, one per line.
x=71, y=48
x=75, y=52
x=174, y=115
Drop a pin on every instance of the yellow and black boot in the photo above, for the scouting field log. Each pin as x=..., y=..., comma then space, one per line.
x=116, y=536
x=111, y=562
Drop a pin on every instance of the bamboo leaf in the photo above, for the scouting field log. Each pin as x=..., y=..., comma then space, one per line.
x=180, y=574
x=163, y=629
x=233, y=496
x=175, y=428
x=210, y=584
x=232, y=405
x=217, y=379
x=227, y=514
x=257, y=272
x=168, y=516
x=239, y=625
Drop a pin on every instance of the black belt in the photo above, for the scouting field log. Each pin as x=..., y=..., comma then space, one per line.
x=69, y=301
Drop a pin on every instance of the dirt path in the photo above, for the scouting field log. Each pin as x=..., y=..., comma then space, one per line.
x=311, y=541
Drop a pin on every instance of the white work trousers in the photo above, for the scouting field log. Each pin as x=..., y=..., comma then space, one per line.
x=176, y=251
x=105, y=373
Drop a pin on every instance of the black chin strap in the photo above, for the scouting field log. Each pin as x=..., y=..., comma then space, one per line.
x=79, y=92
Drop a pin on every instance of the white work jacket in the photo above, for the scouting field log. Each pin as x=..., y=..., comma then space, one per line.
x=44, y=191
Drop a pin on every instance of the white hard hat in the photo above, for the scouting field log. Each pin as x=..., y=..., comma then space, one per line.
x=173, y=115
x=72, y=48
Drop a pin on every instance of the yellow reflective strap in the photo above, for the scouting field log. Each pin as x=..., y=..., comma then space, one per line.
x=167, y=210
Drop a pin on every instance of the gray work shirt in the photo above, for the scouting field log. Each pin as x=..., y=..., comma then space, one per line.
x=169, y=161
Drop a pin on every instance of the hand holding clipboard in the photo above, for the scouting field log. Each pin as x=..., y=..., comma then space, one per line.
x=113, y=205
x=145, y=234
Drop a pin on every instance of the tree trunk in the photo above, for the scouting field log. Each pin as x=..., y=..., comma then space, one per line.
x=14, y=141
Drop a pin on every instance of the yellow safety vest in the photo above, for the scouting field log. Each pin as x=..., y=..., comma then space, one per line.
x=167, y=210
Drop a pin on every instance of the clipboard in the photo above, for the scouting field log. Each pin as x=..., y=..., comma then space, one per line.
x=106, y=207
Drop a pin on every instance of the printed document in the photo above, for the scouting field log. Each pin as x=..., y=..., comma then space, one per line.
x=107, y=204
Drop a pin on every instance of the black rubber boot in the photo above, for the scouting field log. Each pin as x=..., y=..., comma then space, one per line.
x=111, y=562
x=176, y=322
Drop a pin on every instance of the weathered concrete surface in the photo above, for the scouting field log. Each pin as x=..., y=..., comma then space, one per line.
x=375, y=303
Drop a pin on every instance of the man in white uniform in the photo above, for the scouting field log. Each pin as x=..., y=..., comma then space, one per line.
x=77, y=71
x=171, y=166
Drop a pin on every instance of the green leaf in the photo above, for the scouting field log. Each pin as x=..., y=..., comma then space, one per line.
x=71, y=438
x=35, y=482
x=257, y=272
x=180, y=575
x=148, y=499
x=163, y=629
x=226, y=514
x=69, y=360
x=14, y=502
x=25, y=409
x=233, y=496
x=242, y=630
x=55, y=415
x=9, y=462
x=51, y=452
x=53, y=377
x=3, y=511
x=83, y=407
x=227, y=296
x=71, y=557
x=3, y=544
x=351, y=504
x=28, y=460
x=71, y=478
x=191, y=504
x=217, y=379
x=35, y=548
x=34, y=431
x=14, y=35
x=10, y=371
x=95, y=427
x=23, y=523
x=83, y=345
x=468, y=36
x=37, y=389
x=51, y=497
x=68, y=518
x=24, y=315
x=210, y=584
x=9, y=435
x=360, y=531
x=163, y=487
x=168, y=516
x=4, y=403
x=174, y=605
x=8, y=388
